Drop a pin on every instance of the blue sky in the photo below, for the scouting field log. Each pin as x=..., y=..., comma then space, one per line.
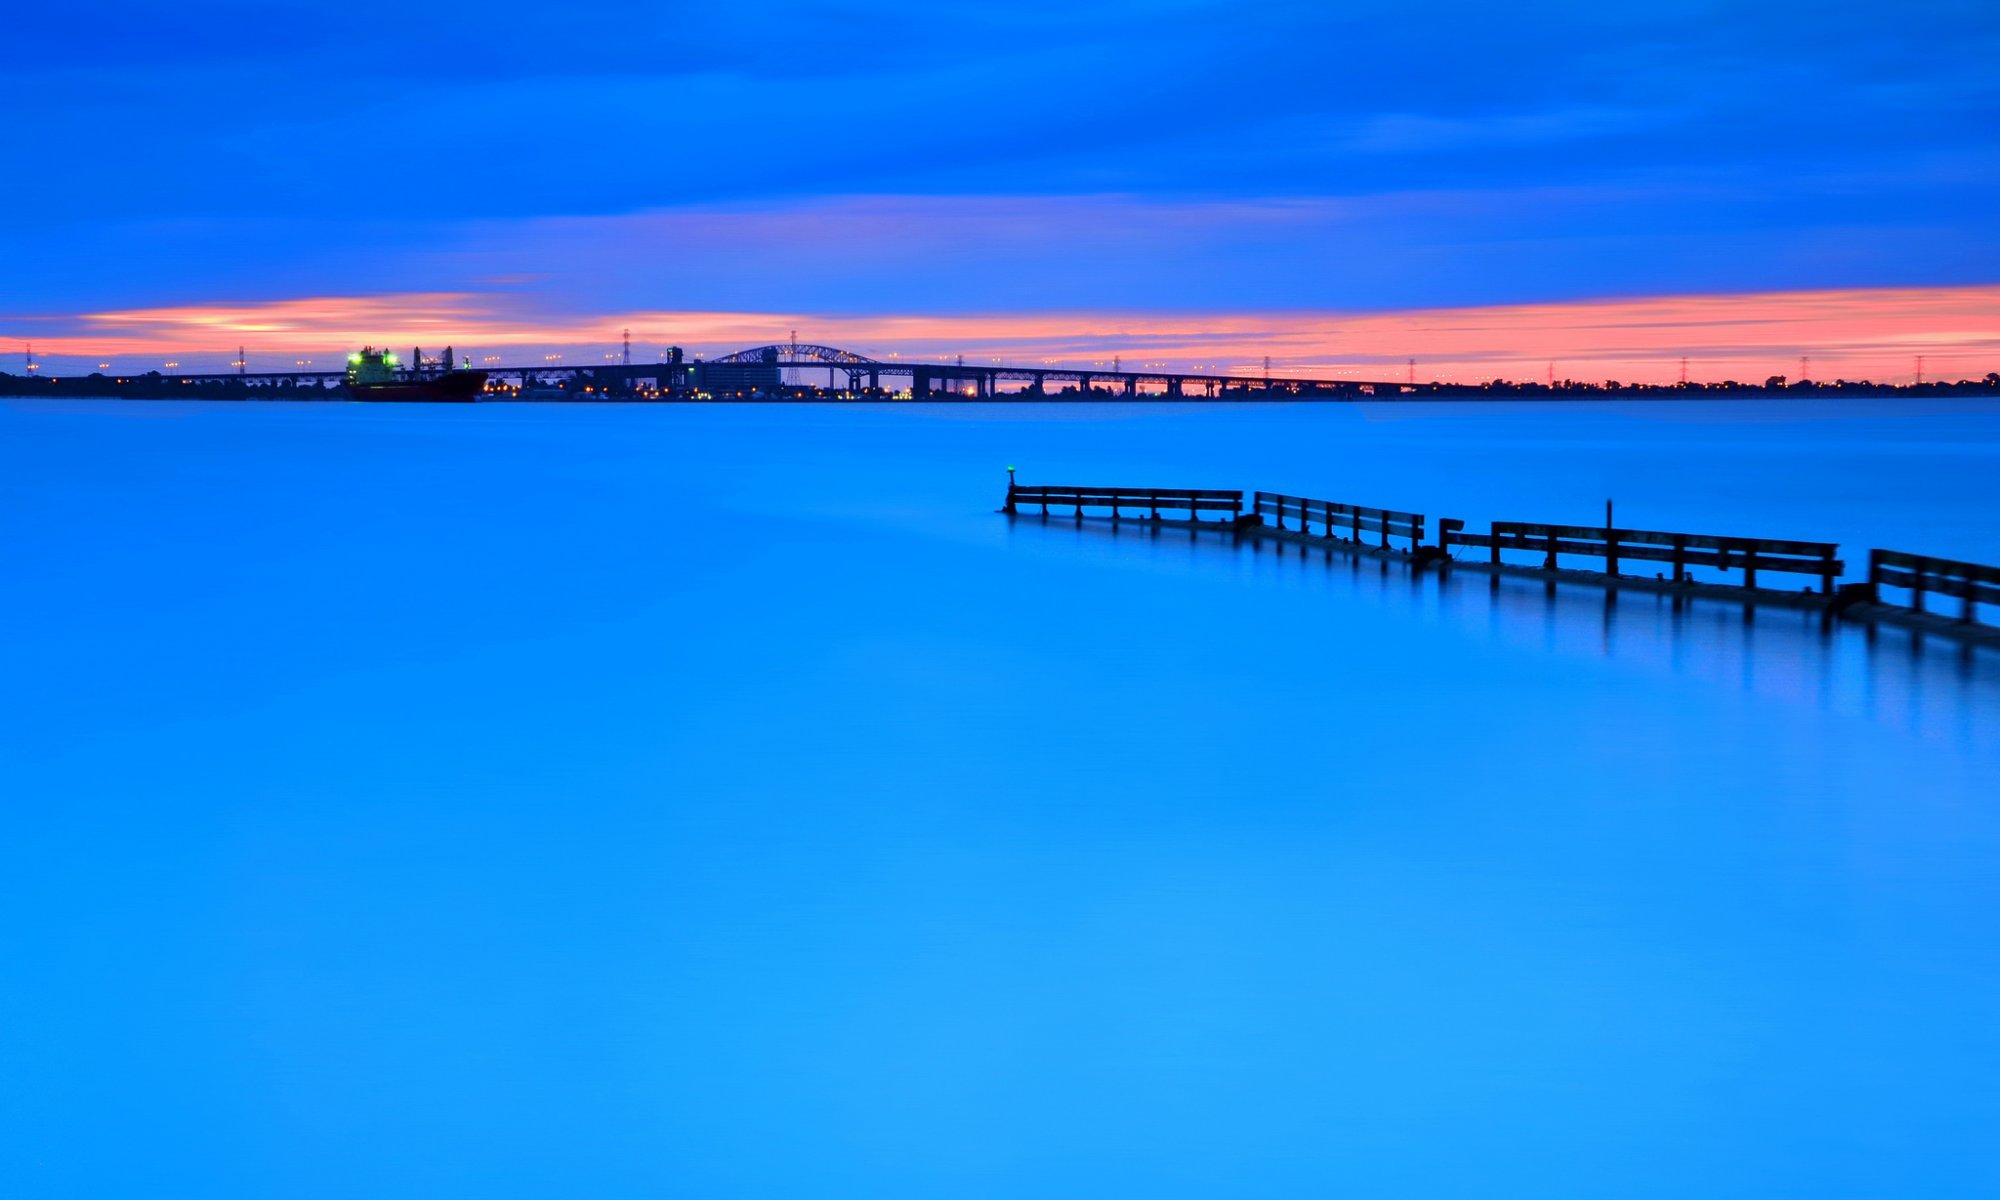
x=1206, y=157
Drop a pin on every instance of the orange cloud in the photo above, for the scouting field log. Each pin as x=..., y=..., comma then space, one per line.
x=1875, y=333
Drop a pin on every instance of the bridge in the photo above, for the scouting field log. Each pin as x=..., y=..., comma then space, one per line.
x=789, y=366
x=764, y=366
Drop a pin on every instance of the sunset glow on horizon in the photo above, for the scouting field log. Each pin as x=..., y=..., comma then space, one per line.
x=1854, y=333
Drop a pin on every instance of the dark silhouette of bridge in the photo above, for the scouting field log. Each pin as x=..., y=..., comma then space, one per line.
x=786, y=367
x=846, y=371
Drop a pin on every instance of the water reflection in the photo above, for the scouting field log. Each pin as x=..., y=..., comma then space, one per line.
x=1924, y=686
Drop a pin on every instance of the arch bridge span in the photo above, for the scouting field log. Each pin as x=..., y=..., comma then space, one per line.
x=793, y=354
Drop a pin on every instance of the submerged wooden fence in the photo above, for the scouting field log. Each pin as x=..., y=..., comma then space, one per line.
x=1362, y=530
x=1679, y=551
x=1191, y=501
x=1971, y=584
x=1354, y=518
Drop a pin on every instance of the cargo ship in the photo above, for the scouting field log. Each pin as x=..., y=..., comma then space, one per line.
x=373, y=375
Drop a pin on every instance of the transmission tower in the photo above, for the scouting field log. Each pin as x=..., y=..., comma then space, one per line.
x=28, y=352
x=241, y=360
x=1412, y=378
x=1805, y=367
x=628, y=347
x=1684, y=370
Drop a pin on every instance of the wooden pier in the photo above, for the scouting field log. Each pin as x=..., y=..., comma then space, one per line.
x=1678, y=551
x=1355, y=519
x=1360, y=530
x=1918, y=577
x=1192, y=502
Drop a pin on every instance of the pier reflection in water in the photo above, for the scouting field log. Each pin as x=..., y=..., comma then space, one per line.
x=1929, y=687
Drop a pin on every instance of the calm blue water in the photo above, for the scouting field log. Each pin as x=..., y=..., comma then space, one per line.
x=723, y=802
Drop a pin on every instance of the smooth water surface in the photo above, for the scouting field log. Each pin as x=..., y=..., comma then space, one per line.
x=725, y=802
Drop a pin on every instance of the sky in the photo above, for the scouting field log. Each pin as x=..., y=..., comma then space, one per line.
x=1482, y=188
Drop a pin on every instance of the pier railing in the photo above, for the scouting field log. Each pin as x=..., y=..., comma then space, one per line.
x=1355, y=519
x=1155, y=501
x=1367, y=532
x=1679, y=551
x=1971, y=584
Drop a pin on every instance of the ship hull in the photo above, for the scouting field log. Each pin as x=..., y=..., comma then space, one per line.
x=457, y=387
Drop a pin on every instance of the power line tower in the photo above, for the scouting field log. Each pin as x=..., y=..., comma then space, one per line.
x=1805, y=367
x=1684, y=370
x=1117, y=364
x=1552, y=375
x=1411, y=379
x=241, y=360
x=28, y=352
x=1920, y=370
x=628, y=347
